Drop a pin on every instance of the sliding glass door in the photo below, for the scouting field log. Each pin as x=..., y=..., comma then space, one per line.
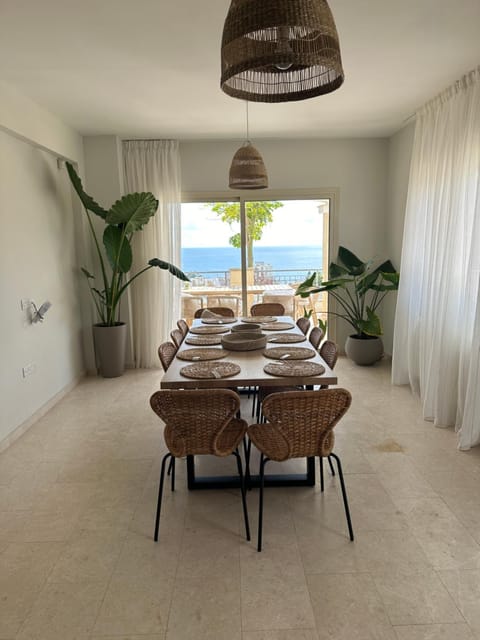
x=239, y=252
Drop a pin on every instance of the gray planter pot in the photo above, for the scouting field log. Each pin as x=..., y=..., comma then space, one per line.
x=364, y=351
x=110, y=349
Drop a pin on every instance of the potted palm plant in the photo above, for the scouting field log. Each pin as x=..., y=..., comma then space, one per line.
x=126, y=216
x=358, y=288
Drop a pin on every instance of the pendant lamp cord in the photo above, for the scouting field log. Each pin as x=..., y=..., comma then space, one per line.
x=248, y=130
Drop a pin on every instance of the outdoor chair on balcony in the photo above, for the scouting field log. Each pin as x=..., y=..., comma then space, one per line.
x=300, y=425
x=166, y=353
x=200, y=422
x=230, y=302
x=286, y=300
x=219, y=311
x=267, y=309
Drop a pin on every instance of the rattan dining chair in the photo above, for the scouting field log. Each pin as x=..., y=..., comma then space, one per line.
x=304, y=325
x=300, y=425
x=267, y=309
x=183, y=326
x=166, y=353
x=177, y=337
x=200, y=422
x=220, y=311
x=315, y=337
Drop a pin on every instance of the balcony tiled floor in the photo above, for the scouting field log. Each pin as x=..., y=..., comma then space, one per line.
x=77, y=560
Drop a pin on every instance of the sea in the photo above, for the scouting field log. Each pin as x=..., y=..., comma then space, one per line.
x=285, y=258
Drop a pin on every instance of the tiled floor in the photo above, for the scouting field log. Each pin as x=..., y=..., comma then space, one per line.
x=77, y=560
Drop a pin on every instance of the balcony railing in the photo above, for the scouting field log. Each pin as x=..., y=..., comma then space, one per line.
x=221, y=279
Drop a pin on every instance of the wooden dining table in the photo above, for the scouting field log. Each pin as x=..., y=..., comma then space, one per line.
x=251, y=374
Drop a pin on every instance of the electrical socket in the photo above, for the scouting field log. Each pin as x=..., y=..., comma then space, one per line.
x=25, y=304
x=28, y=369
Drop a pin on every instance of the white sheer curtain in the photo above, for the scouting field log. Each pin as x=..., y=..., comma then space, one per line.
x=154, y=165
x=436, y=344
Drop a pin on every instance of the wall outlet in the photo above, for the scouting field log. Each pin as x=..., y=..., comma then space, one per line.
x=28, y=369
x=25, y=304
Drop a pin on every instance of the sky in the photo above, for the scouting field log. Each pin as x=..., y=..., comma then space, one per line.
x=297, y=223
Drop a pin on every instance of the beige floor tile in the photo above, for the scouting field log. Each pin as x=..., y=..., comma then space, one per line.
x=274, y=589
x=90, y=555
x=156, y=636
x=347, y=607
x=64, y=611
x=208, y=555
x=24, y=567
x=464, y=587
x=144, y=558
x=435, y=632
x=205, y=610
x=282, y=634
x=135, y=605
x=418, y=599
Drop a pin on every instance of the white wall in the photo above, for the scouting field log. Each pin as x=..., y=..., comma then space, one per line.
x=399, y=154
x=357, y=167
x=38, y=260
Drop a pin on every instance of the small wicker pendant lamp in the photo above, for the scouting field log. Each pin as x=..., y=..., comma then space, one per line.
x=247, y=170
x=280, y=50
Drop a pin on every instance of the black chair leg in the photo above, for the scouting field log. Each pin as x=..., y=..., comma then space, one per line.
x=172, y=465
x=331, y=466
x=322, y=485
x=246, y=450
x=242, y=490
x=263, y=462
x=169, y=470
x=344, y=493
x=160, y=493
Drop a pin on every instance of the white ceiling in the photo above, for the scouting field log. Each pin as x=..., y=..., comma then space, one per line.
x=151, y=68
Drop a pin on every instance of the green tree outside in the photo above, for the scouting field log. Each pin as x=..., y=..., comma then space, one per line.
x=258, y=215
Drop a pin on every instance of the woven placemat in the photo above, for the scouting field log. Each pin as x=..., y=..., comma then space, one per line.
x=287, y=338
x=259, y=319
x=201, y=354
x=210, y=370
x=204, y=330
x=218, y=320
x=277, y=326
x=203, y=340
x=294, y=369
x=289, y=353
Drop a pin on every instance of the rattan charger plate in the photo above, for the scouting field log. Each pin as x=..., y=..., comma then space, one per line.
x=210, y=370
x=287, y=338
x=259, y=319
x=277, y=326
x=294, y=369
x=204, y=330
x=289, y=353
x=201, y=354
x=218, y=320
x=203, y=340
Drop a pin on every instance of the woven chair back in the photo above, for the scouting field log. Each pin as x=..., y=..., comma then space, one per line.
x=315, y=337
x=195, y=420
x=302, y=422
x=166, y=353
x=329, y=352
x=220, y=311
x=267, y=309
x=304, y=325
x=177, y=337
x=183, y=326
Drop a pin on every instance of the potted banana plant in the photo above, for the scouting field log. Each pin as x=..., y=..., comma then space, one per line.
x=358, y=287
x=126, y=216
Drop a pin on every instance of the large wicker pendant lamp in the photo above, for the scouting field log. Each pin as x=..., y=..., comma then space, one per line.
x=247, y=170
x=280, y=50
